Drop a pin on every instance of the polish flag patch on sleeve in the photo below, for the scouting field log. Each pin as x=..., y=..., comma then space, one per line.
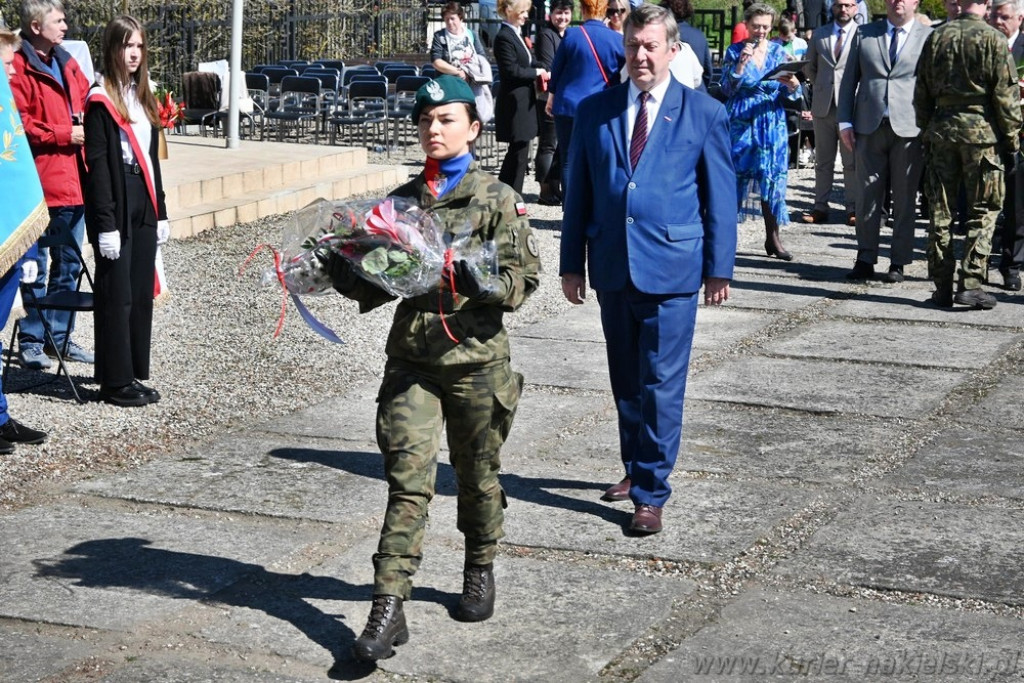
x=520, y=208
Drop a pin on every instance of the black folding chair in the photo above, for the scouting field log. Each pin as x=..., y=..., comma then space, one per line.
x=367, y=107
x=403, y=101
x=74, y=302
x=299, y=104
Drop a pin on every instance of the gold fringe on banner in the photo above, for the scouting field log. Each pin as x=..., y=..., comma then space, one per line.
x=27, y=234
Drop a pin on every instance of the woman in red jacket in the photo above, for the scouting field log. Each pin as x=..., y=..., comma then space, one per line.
x=125, y=214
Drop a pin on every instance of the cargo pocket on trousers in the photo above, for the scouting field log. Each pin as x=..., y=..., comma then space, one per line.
x=506, y=400
x=992, y=188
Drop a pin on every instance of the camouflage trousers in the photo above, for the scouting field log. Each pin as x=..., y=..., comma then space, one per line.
x=979, y=168
x=476, y=404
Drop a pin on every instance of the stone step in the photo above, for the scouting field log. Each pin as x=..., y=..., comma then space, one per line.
x=193, y=219
x=207, y=185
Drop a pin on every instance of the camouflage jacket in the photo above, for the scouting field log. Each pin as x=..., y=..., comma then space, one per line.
x=494, y=212
x=966, y=89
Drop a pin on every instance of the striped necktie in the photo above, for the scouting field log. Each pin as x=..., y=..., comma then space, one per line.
x=639, y=139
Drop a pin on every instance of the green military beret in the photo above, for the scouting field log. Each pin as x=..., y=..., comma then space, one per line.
x=441, y=90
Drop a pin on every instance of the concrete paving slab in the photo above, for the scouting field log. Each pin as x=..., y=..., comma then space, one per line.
x=358, y=406
x=27, y=655
x=910, y=303
x=568, y=364
x=891, y=343
x=737, y=440
x=580, y=618
x=92, y=567
x=578, y=323
x=705, y=520
x=249, y=472
x=753, y=442
x=968, y=462
x=180, y=670
x=962, y=551
x=717, y=327
x=778, y=635
x=777, y=294
x=1003, y=405
x=825, y=386
x=720, y=327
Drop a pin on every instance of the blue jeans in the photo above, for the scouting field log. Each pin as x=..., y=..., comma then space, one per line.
x=61, y=276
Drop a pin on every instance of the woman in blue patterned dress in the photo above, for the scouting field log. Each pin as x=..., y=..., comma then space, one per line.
x=757, y=122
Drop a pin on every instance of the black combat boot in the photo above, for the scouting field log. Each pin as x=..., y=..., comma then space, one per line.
x=477, y=601
x=385, y=628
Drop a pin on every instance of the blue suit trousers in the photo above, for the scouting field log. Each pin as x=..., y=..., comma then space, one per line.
x=648, y=339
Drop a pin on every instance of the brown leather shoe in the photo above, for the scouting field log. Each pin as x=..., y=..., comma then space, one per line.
x=851, y=218
x=815, y=217
x=618, y=492
x=646, y=520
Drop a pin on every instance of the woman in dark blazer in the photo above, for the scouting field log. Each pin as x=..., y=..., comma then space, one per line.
x=515, y=114
x=125, y=214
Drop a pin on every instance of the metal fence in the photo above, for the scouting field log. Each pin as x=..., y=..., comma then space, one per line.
x=184, y=33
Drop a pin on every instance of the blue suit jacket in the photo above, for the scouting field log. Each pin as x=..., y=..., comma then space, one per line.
x=575, y=73
x=669, y=223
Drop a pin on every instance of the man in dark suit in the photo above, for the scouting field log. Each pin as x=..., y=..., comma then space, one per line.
x=815, y=14
x=692, y=36
x=826, y=60
x=1006, y=16
x=651, y=202
x=877, y=120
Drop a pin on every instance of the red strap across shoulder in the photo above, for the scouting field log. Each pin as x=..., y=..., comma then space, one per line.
x=596, y=58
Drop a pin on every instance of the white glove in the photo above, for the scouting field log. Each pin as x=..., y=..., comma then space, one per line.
x=110, y=245
x=163, y=232
x=29, y=271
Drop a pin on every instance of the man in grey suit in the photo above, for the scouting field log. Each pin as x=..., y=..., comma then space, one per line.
x=826, y=61
x=876, y=119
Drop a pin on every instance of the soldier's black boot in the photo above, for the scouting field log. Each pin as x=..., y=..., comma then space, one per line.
x=477, y=601
x=385, y=628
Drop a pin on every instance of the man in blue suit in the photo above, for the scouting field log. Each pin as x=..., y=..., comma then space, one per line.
x=651, y=201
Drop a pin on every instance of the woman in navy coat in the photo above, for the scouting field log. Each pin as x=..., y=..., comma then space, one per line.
x=515, y=113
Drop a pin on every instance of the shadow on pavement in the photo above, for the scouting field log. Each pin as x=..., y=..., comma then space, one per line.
x=129, y=563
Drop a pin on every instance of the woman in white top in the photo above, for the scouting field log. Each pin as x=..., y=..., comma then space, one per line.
x=455, y=44
x=125, y=214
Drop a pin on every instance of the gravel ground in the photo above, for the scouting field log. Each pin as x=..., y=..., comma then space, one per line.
x=215, y=360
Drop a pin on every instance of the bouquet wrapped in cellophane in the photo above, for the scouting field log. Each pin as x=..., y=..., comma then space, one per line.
x=392, y=243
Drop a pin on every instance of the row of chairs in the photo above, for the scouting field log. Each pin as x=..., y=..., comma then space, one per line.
x=300, y=64
x=318, y=102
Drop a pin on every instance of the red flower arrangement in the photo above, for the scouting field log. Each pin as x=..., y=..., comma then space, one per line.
x=171, y=112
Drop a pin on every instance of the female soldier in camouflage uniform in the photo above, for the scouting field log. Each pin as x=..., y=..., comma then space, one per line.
x=431, y=380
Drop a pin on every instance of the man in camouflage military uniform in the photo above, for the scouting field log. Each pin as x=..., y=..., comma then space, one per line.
x=447, y=363
x=967, y=103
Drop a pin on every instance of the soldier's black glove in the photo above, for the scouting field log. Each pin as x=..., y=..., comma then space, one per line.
x=467, y=282
x=342, y=273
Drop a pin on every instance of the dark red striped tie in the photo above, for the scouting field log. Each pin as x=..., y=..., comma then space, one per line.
x=639, y=139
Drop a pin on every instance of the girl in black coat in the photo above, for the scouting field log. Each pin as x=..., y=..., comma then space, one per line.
x=125, y=214
x=515, y=113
